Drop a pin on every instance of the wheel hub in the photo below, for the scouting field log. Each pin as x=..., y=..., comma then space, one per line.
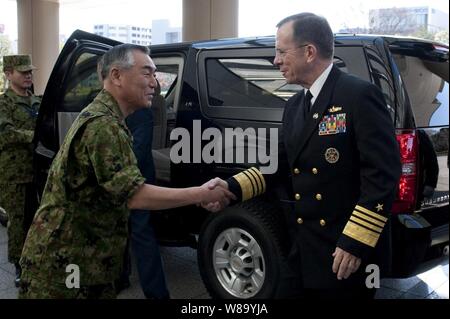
x=239, y=263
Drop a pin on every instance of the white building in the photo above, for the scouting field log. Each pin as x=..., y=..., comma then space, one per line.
x=125, y=33
x=162, y=32
x=407, y=20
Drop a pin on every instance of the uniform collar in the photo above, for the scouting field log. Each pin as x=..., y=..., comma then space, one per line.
x=317, y=86
x=13, y=95
x=105, y=98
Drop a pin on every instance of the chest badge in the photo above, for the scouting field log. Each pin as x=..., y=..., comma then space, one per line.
x=332, y=155
x=316, y=116
x=333, y=124
x=334, y=109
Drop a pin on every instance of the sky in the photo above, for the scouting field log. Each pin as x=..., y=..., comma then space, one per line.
x=82, y=14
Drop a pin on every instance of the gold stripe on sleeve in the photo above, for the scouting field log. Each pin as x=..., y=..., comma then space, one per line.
x=370, y=226
x=369, y=219
x=369, y=212
x=361, y=234
x=261, y=178
x=256, y=180
x=246, y=186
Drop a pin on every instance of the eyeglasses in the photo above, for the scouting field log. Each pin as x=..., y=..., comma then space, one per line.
x=282, y=53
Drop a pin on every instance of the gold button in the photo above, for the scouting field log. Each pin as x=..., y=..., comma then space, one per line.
x=322, y=222
x=299, y=221
x=315, y=171
x=296, y=171
x=297, y=196
x=319, y=197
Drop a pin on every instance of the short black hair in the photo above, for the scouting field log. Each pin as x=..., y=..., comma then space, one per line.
x=314, y=29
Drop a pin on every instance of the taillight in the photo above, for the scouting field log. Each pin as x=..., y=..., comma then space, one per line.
x=407, y=187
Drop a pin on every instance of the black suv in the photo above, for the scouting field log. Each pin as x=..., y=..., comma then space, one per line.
x=233, y=84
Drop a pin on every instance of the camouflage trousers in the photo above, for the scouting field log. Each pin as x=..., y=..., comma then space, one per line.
x=40, y=289
x=12, y=199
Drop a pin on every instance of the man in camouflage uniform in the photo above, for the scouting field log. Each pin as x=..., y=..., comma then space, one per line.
x=80, y=227
x=18, y=112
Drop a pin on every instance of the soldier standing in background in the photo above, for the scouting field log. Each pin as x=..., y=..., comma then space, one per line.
x=18, y=112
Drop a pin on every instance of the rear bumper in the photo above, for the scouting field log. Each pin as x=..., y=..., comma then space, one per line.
x=420, y=241
x=439, y=235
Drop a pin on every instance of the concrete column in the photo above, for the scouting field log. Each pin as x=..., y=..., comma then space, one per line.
x=38, y=35
x=210, y=19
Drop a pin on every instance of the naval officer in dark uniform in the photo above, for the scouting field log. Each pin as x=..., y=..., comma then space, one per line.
x=339, y=164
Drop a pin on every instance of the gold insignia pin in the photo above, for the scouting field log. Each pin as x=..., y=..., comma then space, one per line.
x=332, y=155
x=379, y=207
x=334, y=109
x=316, y=116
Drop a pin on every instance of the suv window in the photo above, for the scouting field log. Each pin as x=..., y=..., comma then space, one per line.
x=83, y=83
x=166, y=75
x=249, y=82
x=82, y=86
x=381, y=77
x=169, y=70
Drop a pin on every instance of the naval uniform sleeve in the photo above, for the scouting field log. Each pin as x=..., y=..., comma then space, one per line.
x=380, y=170
x=247, y=184
x=113, y=161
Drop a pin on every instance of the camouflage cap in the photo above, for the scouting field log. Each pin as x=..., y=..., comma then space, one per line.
x=21, y=63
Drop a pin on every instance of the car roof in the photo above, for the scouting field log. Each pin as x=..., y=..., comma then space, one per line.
x=269, y=41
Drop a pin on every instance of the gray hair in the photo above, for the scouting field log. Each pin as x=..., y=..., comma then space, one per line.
x=311, y=28
x=120, y=56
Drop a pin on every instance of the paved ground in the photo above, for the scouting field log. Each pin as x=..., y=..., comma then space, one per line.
x=185, y=283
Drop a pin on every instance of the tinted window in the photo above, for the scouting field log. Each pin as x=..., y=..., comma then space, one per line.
x=83, y=83
x=250, y=82
x=167, y=75
x=381, y=78
x=246, y=82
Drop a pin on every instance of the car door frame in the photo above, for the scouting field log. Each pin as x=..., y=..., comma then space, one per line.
x=46, y=138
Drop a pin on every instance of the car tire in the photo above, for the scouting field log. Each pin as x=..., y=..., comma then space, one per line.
x=242, y=251
x=3, y=217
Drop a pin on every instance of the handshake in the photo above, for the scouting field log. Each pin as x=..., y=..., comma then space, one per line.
x=215, y=195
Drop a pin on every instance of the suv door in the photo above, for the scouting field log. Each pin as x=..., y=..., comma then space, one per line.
x=72, y=85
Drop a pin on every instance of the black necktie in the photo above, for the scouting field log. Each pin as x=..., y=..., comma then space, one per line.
x=307, y=104
x=301, y=117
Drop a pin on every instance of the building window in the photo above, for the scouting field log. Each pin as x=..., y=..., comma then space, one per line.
x=422, y=19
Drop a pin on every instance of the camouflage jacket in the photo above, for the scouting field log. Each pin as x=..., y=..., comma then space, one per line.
x=17, y=122
x=82, y=219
